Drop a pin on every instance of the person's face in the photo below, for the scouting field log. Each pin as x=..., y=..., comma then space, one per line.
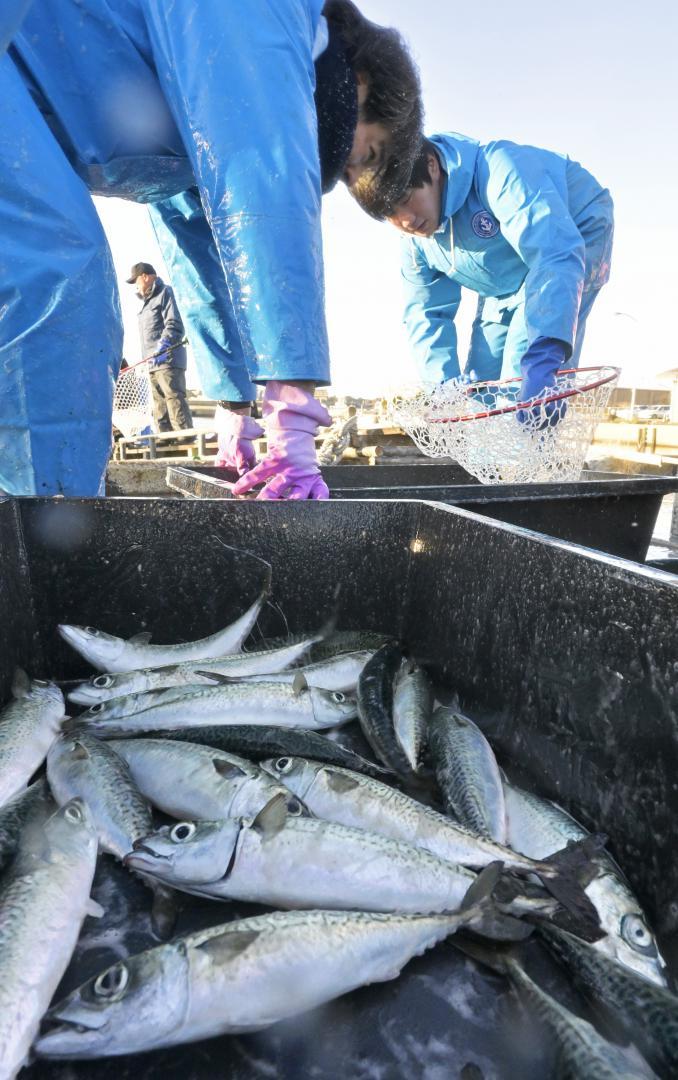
x=419, y=212
x=144, y=284
x=370, y=141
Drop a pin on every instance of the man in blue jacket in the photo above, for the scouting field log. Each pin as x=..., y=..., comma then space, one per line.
x=530, y=231
x=216, y=103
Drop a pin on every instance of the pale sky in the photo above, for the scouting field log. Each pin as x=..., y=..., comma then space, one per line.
x=597, y=80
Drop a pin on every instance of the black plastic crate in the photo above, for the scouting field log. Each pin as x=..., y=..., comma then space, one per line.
x=607, y=512
x=568, y=658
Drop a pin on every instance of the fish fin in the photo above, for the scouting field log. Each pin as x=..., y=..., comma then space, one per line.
x=21, y=684
x=72, y=725
x=299, y=685
x=485, y=918
x=273, y=817
x=494, y=957
x=80, y=752
x=94, y=909
x=217, y=677
x=142, y=638
x=229, y=945
x=227, y=769
x=340, y=783
x=575, y=868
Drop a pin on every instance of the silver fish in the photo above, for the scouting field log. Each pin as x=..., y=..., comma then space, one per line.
x=339, y=672
x=88, y=768
x=537, y=827
x=375, y=707
x=28, y=727
x=238, y=977
x=636, y=1008
x=28, y=809
x=283, y=859
x=112, y=654
x=467, y=774
x=349, y=798
x=44, y=898
x=412, y=710
x=237, y=703
x=188, y=781
x=237, y=665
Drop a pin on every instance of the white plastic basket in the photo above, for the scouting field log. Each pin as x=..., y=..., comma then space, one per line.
x=501, y=439
x=132, y=411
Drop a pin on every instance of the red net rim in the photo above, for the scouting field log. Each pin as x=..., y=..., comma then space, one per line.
x=614, y=373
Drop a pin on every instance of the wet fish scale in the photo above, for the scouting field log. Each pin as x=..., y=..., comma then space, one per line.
x=28, y=727
x=412, y=708
x=375, y=707
x=467, y=774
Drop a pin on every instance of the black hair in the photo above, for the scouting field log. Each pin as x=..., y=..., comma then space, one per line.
x=379, y=194
x=394, y=91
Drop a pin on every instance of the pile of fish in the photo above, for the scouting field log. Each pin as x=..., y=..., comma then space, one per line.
x=213, y=772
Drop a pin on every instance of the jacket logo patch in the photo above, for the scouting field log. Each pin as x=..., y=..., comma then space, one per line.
x=484, y=225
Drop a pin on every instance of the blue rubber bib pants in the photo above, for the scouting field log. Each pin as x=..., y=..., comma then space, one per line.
x=147, y=99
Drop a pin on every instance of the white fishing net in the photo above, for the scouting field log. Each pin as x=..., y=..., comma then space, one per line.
x=480, y=425
x=132, y=410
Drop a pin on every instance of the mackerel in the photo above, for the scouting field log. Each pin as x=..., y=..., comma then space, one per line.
x=412, y=710
x=344, y=641
x=239, y=977
x=537, y=828
x=636, y=1008
x=238, y=703
x=337, y=673
x=259, y=742
x=237, y=665
x=283, y=859
x=185, y=780
x=44, y=898
x=375, y=707
x=27, y=809
x=467, y=774
x=28, y=727
x=347, y=798
x=112, y=654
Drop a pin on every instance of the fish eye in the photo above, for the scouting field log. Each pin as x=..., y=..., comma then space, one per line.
x=338, y=697
x=103, y=681
x=182, y=832
x=112, y=982
x=283, y=765
x=294, y=808
x=73, y=813
x=97, y=708
x=91, y=630
x=638, y=935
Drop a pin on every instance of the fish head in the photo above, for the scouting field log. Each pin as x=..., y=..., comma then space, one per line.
x=190, y=852
x=332, y=706
x=102, y=712
x=297, y=774
x=69, y=833
x=629, y=939
x=134, y=1005
x=100, y=688
x=101, y=649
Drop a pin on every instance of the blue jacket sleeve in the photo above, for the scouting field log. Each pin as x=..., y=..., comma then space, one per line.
x=530, y=203
x=11, y=18
x=240, y=85
x=173, y=327
x=431, y=303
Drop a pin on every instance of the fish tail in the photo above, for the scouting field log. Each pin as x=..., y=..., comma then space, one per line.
x=566, y=874
x=484, y=916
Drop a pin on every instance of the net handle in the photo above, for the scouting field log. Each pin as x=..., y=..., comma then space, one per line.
x=147, y=359
x=507, y=409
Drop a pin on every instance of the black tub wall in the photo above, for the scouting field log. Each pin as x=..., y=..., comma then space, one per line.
x=20, y=645
x=568, y=657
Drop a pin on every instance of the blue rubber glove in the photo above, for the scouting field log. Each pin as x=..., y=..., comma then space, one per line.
x=538, y=368
x=162, y=356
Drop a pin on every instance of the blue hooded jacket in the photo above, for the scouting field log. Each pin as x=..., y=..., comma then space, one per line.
x=512, y=217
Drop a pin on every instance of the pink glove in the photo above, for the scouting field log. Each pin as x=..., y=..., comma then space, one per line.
x=235, y=432
x=290, y=469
